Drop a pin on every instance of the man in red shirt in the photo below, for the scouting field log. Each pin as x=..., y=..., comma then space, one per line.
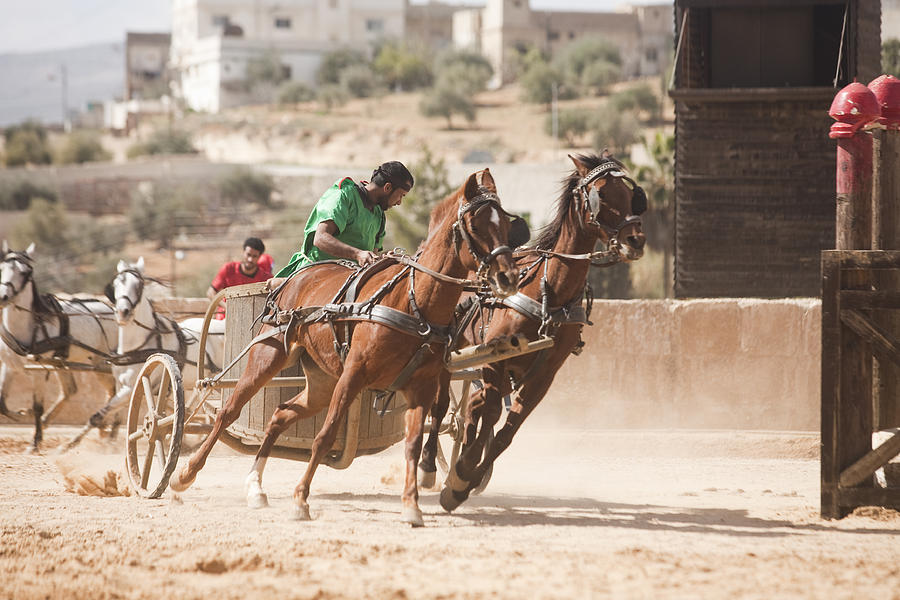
x=249, y=269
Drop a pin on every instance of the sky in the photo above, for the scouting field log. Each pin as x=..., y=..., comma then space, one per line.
x=36, y=25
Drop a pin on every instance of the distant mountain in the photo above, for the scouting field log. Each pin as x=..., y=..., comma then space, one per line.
x=32, y=88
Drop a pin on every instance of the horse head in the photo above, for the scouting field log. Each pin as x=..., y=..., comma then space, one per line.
x=127, y=289
x=484, y=227
x=610, y=201
x=16, y=270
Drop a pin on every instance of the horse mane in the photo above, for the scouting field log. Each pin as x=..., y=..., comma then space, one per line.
x=549, y=233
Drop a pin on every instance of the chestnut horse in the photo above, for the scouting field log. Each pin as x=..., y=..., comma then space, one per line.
x=469, y=232
x=599, y=202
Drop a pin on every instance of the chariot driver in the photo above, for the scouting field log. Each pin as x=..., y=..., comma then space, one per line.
x=348, y=220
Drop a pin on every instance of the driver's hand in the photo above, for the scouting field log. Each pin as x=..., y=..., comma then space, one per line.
x=366, y=257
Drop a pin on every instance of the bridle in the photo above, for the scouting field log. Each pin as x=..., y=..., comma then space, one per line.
x=23, y=259
x=132, y=304
x=485, y=198
x=592, y=201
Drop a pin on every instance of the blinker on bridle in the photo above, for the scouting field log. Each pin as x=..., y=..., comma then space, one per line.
x=24, y=259
x=110, y=290
x=459, y=228
x=592, y=200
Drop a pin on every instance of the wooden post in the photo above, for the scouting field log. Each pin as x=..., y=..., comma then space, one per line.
x=853, y=108
x=886, y=236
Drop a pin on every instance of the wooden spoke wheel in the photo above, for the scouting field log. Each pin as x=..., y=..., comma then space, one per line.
x=155, y=426
x=453, y=431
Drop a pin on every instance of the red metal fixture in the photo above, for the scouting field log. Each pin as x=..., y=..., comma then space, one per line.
x=887, y=92
x=853, y=108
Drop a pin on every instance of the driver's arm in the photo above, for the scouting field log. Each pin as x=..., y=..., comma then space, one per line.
x=326, y=241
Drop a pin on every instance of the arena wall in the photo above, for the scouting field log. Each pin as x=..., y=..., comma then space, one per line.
x=722, y=363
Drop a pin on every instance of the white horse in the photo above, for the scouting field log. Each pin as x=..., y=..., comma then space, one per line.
x=41, y=328
x=142, y=332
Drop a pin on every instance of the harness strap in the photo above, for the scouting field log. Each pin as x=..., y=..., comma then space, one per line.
x=383, y=315
x=573, y=312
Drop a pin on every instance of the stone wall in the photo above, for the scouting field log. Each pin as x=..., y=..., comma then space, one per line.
x=724, y=363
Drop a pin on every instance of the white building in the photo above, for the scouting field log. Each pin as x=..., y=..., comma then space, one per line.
x=213, y=40
x=643, y=34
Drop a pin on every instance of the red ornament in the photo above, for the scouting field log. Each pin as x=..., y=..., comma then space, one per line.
x=887, y=92
x=853, y=108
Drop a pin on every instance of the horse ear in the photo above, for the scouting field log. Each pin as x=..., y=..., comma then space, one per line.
x=139, y=265
x=30, y=249
x=5, y=247
x=471, y=186
x=579, y=166
x=121, y=266
x=487, y=180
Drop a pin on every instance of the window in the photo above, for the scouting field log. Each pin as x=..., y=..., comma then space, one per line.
x=374, y=25
x=282, y=23
x=650, y=54
x=771, y=46
x=552, y=35
x=333, y=3
x=571, y=35
x=285, y=71
x=220, y=20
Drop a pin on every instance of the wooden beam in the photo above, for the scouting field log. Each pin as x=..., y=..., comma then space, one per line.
x=854, y=497
x=831, y=369
x=871, y=462
x=869, y=259
x=870, y=299
x=883, y=345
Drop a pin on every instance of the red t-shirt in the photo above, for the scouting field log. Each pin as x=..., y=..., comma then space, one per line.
x=230, y=274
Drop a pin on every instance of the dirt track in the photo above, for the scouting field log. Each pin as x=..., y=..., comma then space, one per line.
x=567, y=515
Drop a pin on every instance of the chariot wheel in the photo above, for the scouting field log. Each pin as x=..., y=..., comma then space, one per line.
x=155, y=426
x=452, y=429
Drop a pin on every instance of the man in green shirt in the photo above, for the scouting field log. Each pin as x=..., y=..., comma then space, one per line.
x=348, y=220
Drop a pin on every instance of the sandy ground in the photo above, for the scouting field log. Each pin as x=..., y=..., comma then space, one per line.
x=568, y=514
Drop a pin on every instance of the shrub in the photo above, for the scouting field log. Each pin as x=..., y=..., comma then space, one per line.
x=538, y=81
x=331, y=95
x=81, y=147
x=155, y=213
x=890, y=57
x=359, y=81
x=164, y=141
x=20, y=194
x=265, y=68
x=26, y=144
x=445, y=101
x=401, y=67
x=616, y=131
x=637, y=98
x=591, y=63
x=335, y=62
x=244, y=186
x=465, y=69
x=572, y=124
x=599, y=76
x=410, y=226
x=292, y=92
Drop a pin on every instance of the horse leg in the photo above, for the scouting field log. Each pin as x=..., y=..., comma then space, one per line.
x=419, y=401
x=126, y=379
x=67, y=389
x=5, y=377
x=265, y=360
x=37, y=410
x=427, y=466
x=482, y=412
x=298, y=407
x=345, y=391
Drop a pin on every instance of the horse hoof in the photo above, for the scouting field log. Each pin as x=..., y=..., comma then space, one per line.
x=450, y=499
x=413, y=516
x=177, y=483
x=34, y=450
x=301, y=513
x=426, y=478
x=257, y=500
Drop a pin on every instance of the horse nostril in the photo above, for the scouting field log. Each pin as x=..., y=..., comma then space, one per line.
x=636, y=241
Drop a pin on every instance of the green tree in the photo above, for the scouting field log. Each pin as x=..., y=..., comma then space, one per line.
x=538, y=81
x=615, y=131
x=572, y=124
x=890, y=57
x=639, y=98
x=265, y=68
x=293, y=92
x=81, y=147
x=26, y=144
x=402, y=67
x=446, y=100
x=592, y=63
x=18, y=195
x=155, y=213
x=359, y=81
x=658, y=180
x=335, y=62
x=464, y=69
x=410, y=226
x=331, y=95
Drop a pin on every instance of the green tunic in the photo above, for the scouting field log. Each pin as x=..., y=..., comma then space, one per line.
x=357, y=226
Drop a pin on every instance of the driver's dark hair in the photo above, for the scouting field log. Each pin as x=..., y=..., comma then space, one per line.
x=255, y=243
x=394, y=172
